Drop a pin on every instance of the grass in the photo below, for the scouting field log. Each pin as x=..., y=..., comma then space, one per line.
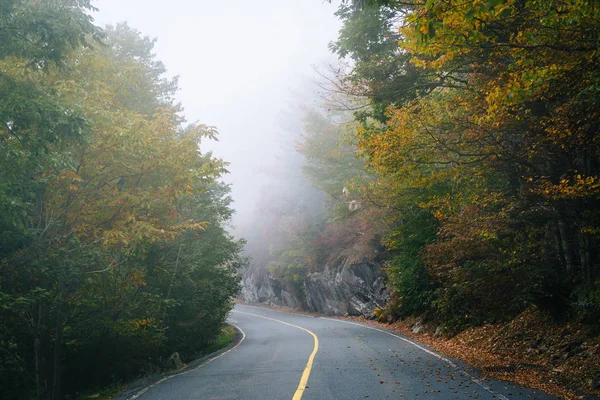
x=224, y=339
x=104, y=394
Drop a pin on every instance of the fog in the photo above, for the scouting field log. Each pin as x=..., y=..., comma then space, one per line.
x=243, y=67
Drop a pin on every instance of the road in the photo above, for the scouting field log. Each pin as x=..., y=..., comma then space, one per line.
x=292, y=356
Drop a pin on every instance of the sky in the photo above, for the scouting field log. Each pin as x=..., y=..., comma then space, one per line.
x=239, y=63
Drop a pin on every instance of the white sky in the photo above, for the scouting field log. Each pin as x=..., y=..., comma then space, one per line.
x=237, y=61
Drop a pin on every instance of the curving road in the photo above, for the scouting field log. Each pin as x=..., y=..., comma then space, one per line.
x=291, y=356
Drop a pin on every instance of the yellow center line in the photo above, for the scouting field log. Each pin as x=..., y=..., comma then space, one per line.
x=304, y=378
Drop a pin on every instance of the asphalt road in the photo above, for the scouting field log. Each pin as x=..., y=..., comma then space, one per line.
x=349, y=361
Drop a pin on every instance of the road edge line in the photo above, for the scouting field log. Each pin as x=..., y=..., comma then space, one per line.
x=144, y=390
x=440, y=357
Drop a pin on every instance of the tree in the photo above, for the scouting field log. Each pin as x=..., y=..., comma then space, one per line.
x=111, y=179
x=380, y=71
x=36, y=38
x=503, y=150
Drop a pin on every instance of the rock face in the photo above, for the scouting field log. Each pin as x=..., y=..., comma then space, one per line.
x=350, y=289
x=259, y=287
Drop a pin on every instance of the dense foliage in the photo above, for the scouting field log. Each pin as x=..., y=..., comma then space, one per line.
x=487, y=155
x=113, y=248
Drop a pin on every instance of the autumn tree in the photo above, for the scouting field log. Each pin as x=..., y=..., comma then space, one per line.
x=114, y=217
x=500, y=154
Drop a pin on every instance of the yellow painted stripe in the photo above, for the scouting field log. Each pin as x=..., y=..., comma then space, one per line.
x=304, y=378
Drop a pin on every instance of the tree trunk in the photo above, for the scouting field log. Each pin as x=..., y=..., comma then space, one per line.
x=586, y=259
x=172, y=282
x=567, y=246
x=558, y=245
x=58, y=338
x=41, y=345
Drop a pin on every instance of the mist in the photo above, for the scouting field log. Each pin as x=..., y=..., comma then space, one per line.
x=243, y=67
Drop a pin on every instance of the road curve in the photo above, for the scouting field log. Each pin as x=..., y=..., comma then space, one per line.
x=292, y=356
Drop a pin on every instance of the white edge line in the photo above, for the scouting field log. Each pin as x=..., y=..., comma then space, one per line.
x=473, y=379
x=144, y=390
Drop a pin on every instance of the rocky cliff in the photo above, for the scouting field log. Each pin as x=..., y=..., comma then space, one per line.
x=260, y=287
x=350, y=289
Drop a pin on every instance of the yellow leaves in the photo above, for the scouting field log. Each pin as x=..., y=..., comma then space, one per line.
x=15, y=67
x=438, y=32
x=206, y=131
x=134, y=172
x=68, y=175
x=426, y=141
x=137, y=279
x=190, y=225
x=144, y=323
x=574, y=187
x=439, y=215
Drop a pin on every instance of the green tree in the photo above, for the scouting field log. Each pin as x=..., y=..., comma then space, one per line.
x=380, y=72
x=115, y=225
x=36, y=38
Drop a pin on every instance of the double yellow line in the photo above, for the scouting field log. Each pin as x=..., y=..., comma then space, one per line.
x=304, y=378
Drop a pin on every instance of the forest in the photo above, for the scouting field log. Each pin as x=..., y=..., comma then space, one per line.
x=114, y=251
x=453, y=143
x=455, y=149
x=458, y=143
